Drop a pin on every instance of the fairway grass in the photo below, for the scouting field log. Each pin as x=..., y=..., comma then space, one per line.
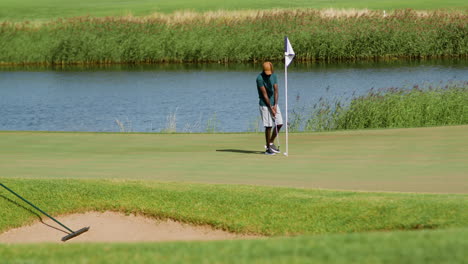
x=402, y=160
x=48, y=9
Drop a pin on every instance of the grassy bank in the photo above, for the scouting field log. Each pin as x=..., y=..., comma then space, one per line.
x=48, y=9
x=421, y=247
x=425, y=247
x=236, y=37
x=409, y=160
x=241, y=209
x=389, y=108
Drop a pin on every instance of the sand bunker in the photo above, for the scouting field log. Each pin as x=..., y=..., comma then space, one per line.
x=114, y=227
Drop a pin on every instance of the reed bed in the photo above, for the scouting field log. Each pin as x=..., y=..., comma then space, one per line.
x=389, y=108
x=237, y=36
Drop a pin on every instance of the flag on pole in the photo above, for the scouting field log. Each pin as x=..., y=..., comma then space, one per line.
x=288, y=51
x=288, y=57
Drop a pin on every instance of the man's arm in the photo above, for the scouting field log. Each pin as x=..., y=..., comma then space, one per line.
x=267, y=100
x=275, y=86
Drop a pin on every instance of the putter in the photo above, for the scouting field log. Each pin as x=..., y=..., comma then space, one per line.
x=276, y=129
x=72, y=233
x=277, y=134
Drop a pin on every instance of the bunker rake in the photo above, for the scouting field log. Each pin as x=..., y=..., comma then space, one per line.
x=70, y=235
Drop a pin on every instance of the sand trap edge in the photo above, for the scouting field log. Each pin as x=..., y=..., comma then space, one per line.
x=114, y=227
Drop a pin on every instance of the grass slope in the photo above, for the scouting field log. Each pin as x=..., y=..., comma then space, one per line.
x=243, y=209
x=425, y=247
x=414, y=160
x=47, y=9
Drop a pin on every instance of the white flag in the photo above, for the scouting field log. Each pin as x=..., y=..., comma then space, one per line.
x=288, y=51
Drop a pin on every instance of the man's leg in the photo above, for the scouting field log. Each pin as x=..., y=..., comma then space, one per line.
x=269, y=150
x=274, y=134
x=267, y=135
x=278, y=124
x=268, y=124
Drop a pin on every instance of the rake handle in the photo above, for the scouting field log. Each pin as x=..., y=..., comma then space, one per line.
x=37, y=208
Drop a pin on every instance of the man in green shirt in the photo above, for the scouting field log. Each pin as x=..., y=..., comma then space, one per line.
x=267, y=87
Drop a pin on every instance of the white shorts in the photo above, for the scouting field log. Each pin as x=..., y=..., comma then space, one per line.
x=266, y=116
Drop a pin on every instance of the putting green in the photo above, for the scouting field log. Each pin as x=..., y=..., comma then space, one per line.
x=404, y=160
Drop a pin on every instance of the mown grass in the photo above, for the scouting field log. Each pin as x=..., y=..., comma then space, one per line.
x=410, y=160
x=425, y=247
x=248, y=209
x=233, y=37
x=389, y=108
x=324, y=220
x=47, y=9
x=242, y=209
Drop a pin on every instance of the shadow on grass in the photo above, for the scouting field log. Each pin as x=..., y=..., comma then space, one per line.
x=30, y=211
x=241, y=151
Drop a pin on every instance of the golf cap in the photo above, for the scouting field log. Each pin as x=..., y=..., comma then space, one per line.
x=268, y=68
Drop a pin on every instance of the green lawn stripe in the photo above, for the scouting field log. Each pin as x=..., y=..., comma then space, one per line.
x=405, y=160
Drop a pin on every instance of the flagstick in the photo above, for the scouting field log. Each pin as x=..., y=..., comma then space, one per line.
x=286, y=99
x=288, y=55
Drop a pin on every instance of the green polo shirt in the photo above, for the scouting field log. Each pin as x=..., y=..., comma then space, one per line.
x=268, y=82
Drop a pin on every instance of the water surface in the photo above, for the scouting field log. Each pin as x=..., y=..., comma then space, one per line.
x=196, y=98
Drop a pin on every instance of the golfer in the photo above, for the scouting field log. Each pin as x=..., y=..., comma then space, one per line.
x=267, y=87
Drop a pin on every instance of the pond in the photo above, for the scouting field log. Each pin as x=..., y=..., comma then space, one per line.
x=189, y=97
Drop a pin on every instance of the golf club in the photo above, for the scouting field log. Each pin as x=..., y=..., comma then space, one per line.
x=277, y=134
x=72, y=233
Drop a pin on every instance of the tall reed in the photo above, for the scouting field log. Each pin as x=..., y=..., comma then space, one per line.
x=171, y=122
x=392, y=108
x=236, y=37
